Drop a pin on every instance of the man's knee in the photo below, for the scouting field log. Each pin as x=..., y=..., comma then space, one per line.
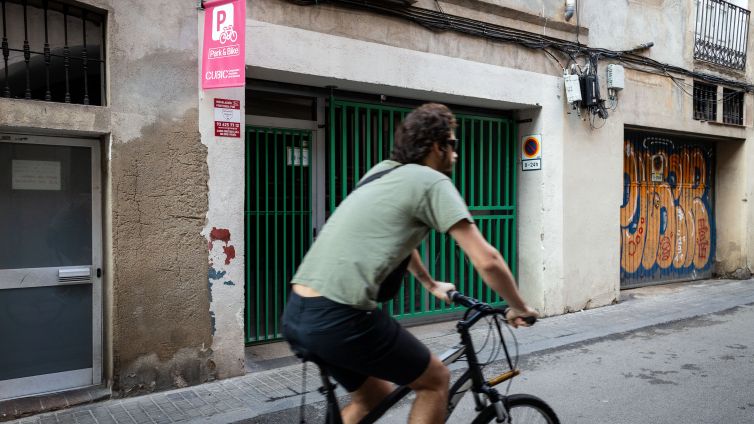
x=436, y=377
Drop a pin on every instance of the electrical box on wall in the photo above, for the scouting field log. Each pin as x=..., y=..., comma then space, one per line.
x=590, y=90
x=572, y=88
x=615, y=77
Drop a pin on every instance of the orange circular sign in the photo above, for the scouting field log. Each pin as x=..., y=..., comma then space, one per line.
x=531, y=147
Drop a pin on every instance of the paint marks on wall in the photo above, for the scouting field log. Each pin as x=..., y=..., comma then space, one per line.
x=220, y=234
x=214, y=274
x=221, y=252
x=219, y=241
x=667, y=230
x=230, y=253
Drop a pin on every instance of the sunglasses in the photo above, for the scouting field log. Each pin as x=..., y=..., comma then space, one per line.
x=453, y=142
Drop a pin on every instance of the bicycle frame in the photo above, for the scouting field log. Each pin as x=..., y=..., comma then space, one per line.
x=472, y=379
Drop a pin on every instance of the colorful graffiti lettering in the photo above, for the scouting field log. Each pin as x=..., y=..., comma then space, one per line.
x=666, y=232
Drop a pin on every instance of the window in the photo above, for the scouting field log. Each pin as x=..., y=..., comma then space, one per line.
x=52, y=51
x=705, y=101
x=733, y=106
x=722, y=30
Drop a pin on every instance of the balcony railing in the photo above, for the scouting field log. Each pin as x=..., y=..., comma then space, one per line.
x=52, y=51
x=721, y=33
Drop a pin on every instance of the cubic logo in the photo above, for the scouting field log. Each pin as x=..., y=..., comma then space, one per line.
x=222, y=23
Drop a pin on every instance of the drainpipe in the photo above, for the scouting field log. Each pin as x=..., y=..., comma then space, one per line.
x=570, y=9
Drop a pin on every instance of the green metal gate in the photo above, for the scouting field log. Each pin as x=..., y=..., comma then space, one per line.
x=277, y=221
x=361, y=135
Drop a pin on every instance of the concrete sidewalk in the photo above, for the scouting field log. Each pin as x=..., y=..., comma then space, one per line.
x=264, y=392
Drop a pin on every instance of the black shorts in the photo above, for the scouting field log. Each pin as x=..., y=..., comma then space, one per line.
x=353, y=344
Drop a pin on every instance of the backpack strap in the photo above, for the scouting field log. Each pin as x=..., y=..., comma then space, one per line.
x=375, y=176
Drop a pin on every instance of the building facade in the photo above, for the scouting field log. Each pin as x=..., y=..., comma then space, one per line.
x=144, y=251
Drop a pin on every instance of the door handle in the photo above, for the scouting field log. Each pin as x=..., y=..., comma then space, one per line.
x=74, y=274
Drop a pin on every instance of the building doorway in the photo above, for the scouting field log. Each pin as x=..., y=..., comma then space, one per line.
x=50, y=264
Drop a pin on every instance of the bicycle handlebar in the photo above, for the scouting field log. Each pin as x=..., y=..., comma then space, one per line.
x=470, y=302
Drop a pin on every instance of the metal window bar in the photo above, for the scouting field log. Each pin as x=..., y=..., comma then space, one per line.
x=277, y=222
x=733, y=106
x=36, y=66
x=361, y=135
x=721, y=33
x=705, y=101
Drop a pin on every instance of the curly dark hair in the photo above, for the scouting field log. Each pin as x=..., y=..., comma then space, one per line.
x=424, y=126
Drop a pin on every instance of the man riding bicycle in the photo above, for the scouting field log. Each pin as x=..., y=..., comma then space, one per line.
x=332, y=311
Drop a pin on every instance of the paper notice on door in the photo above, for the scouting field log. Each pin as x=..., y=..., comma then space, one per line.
x=35, y=175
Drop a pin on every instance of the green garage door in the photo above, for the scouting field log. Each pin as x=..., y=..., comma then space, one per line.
x=279, y=207
x=361, y=135
x=278, y=222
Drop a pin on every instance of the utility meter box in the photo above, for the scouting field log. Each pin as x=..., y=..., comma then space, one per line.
x=615, y=77
x=572, y=88
x=590, y=90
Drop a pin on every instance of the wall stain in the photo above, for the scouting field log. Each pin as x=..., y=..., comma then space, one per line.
x=229, y=283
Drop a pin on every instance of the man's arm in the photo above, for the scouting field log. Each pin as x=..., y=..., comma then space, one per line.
x=490, y=265
x=437, y=288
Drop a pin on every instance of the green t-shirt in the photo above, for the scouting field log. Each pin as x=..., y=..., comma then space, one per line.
x=375, y=228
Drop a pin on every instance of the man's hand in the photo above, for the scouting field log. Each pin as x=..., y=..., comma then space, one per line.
x=440, y=290
x=515, y=316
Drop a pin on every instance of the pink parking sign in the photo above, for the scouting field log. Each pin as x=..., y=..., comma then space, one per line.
x=223, y=54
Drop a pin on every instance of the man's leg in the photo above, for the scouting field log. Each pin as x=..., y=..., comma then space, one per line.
x=431, y=403
x=366, y=397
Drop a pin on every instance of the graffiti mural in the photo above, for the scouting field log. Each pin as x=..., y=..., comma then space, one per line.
x=667, y=226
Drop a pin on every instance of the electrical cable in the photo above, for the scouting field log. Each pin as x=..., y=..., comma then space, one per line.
x=555, y=59
x=440, y=21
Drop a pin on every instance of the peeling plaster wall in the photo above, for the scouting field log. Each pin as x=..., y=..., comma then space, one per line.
x=161, y=323
x=157, y=318
x=224, y=230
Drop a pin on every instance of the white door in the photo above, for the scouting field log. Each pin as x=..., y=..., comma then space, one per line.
x=50, y=264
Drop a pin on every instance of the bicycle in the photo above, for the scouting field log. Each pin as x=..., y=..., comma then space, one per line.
x=228, y=34
x=491, y=405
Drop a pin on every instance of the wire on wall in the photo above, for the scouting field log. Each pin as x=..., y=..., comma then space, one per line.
x=441, y=21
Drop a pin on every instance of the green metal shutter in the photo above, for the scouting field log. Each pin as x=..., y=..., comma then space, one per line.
x=277, y=221
x=361, y=135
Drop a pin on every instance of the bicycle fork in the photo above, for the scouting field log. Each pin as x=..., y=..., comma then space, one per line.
x=485, y=388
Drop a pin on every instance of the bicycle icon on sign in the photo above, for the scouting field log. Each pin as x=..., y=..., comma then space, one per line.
x=228, y=34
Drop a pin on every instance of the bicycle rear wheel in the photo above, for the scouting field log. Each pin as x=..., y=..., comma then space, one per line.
x=523, y=409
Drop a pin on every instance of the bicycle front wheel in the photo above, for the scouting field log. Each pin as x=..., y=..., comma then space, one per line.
x=522, y=409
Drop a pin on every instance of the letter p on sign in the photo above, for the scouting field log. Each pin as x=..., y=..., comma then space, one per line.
x=222, y=16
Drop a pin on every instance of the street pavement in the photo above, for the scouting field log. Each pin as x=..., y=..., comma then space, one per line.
x=275, y=395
